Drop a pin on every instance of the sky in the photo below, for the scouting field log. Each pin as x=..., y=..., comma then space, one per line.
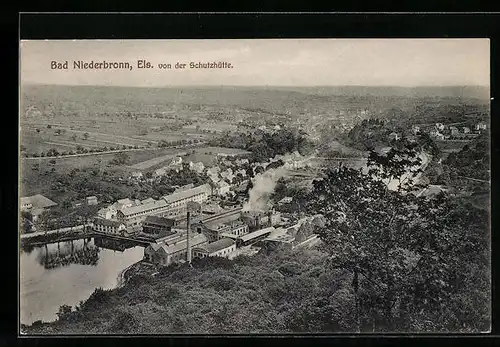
x=276, y=62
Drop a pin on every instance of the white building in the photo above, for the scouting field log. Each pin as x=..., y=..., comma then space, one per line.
x=136, y=175
x=109, y=227
x=197, y=167
x=178, y=200
x=160, y=172
x=481, y=126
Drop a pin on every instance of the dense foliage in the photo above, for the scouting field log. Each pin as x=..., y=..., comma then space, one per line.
x=419, y=264
x=457, y=169
x=281, y=292
x=265, y=145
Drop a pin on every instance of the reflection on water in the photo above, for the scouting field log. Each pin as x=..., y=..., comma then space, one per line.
x=68, y=272
x=67, y=253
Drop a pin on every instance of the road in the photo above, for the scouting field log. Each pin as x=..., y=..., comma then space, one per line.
x=111, y=152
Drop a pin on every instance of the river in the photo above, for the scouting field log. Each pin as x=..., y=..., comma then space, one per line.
x=67, y=273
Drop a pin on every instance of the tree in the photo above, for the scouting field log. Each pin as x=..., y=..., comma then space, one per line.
x=399, y=165
x=64, y=312
x=86, y=136
x=49, y=126
x=121, y=158
x=73, y=137
x=66, y=204
x=400, y=248
x=37, y=130
x=26, y=221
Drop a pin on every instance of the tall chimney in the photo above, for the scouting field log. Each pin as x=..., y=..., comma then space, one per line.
x=188, y=235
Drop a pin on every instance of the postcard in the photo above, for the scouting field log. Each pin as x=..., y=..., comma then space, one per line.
x=254, y=186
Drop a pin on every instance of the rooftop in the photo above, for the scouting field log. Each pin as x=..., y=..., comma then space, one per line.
x=159, y=221
x=144, y=207
x=184, y=194
x=257, y=233
x=107, y=222
x=195, y=240
x=38, y=201
x=219, y=245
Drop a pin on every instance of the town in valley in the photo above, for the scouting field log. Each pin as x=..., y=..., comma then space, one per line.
x=293, y=187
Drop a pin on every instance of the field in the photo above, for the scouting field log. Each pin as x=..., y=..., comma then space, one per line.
x=39, y=182
x=221, y=150
x=65, y=134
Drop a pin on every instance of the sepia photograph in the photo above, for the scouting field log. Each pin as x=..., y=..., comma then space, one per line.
x=254, y=186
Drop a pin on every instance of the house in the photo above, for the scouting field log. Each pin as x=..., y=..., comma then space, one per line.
x=440, y=127
x=136, y=175
x=157, y=226
x=242, y=172
x=213, y=171
x=173, y=250
x=108, y=212
x=453, y=131
x=415, y=129
x=198, y=167
x=91, y=200
x=393, y=136
x=176, y=161
x=224, y=247
x=243, y=161
x=436, y=134
x=466, y=130
x=481, y=126
x=222, y=187
x=160, y=172
x=37, y=201
x=36, y=205
x=109, y=227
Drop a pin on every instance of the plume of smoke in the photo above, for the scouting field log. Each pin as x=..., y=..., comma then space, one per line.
x=263, y=187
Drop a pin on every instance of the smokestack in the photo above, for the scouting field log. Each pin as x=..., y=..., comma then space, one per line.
x=188, y=236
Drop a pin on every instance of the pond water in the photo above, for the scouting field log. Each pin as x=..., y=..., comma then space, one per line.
x=68, y=272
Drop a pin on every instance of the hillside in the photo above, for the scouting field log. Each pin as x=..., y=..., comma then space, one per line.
x=281, y=292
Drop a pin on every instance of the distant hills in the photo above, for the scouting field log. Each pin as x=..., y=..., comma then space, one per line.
x=470, y=92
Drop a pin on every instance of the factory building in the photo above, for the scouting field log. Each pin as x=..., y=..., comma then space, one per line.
x=225, y=247
x=173, y=249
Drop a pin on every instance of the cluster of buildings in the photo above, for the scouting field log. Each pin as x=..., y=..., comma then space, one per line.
x=217, y=238
x=127, y=216
x=36, y=205
x=442, y=131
